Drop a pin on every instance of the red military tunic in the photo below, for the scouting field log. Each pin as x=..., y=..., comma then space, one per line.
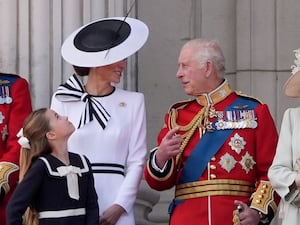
x=236, y=170
x=15, y=106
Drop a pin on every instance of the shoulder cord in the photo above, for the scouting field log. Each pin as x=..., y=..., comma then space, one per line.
x=198, y=121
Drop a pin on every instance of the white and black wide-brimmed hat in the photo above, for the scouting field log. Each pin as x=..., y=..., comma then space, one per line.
x=291, y=87
x=104, y=41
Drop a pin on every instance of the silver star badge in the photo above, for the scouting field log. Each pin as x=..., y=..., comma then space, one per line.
x=237, y=143
x=247, y=162
x=227, y=162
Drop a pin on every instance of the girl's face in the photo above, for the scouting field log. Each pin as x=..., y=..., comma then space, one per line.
x=60, y=125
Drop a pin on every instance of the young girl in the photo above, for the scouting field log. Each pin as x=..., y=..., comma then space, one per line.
x=57, y=186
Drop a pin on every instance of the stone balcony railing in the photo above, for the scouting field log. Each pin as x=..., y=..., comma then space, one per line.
x=146, y=199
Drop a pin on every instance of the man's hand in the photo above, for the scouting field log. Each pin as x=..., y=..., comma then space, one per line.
x=247, y=215
x=169, y=147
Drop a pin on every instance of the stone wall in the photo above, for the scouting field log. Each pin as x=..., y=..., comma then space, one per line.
x=257, y=38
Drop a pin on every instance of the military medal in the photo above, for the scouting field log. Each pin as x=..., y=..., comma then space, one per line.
x=247, y=162
x=237, y=143
x=212, y=112
x=220, y=125
x=8, y=99
x=209, y=126
x=237, y=119
x=227, y=162
x=2, y=96
x=5, y=97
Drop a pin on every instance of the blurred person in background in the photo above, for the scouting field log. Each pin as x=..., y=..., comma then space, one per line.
x=15, y=106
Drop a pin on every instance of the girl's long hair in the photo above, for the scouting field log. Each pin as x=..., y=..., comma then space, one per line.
x=35, y=127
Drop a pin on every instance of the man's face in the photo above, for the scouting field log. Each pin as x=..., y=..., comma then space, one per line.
x=192, y=75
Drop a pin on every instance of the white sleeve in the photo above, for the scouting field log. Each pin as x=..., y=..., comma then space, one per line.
x=136, y=159
x=281, y=172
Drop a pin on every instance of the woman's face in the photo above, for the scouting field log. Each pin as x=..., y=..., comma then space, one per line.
x=112, y=72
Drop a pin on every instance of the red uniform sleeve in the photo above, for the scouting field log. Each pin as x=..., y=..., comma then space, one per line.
x=167, y=179
x=266, y=142
x=12, y=115
x=15, y=116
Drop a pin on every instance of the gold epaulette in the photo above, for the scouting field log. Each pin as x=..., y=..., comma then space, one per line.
x=6, y=168
x=240, y=93
x=180, y=104
x=264, y=198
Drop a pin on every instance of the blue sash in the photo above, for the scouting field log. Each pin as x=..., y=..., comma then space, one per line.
x=208, y=145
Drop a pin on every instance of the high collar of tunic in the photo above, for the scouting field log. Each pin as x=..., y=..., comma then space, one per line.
x=215, y=96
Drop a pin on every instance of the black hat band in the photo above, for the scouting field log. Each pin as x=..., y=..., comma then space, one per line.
x=102, y=35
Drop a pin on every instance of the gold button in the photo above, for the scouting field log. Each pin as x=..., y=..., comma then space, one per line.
x=213, y=176
x=213, y=167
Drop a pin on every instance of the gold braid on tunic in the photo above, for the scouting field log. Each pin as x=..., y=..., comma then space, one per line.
x=201, y=119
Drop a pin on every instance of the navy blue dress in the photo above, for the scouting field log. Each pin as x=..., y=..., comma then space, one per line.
x=47, y=192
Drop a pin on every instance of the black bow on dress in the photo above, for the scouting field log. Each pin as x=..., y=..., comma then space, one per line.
x=73, y=90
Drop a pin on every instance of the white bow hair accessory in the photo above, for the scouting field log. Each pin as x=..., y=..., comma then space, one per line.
x=23, y=141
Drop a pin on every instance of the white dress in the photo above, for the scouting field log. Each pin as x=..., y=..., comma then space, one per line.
x=282, y=172
x=122, y=142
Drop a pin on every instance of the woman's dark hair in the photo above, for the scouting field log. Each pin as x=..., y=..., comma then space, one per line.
x=81, y=71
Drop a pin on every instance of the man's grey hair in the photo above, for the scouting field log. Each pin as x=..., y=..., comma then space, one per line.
x=208, y=50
